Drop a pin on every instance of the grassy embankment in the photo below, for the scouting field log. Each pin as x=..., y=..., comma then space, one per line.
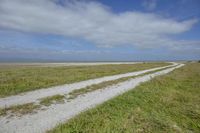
x=169, y=103
x=14, y=80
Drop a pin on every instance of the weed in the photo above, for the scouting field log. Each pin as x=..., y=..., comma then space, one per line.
x=47, y=101
x=19, y=110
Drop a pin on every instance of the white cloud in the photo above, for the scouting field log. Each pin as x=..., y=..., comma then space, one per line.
x=185, y=47
x=91, y=21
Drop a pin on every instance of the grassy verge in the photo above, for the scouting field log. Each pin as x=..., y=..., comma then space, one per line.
x=47, y=101
x=14, y=80
x=169, y=103
x=20, y=110
x=103, y=85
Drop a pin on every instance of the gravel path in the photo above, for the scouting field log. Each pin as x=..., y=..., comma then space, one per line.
x=58, y=113
x=33, y=96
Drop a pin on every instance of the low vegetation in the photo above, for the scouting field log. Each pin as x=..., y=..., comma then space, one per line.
x=47, y=101
x=57, y=99
x=14, y=80
x=20, y=110
x=169, y=103
x=103, y=85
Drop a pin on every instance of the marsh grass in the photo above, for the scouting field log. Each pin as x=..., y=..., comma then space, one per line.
x=15, y=80
x=169, y=103
x=56, y=99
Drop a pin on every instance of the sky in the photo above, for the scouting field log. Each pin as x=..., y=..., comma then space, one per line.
x=99, y=30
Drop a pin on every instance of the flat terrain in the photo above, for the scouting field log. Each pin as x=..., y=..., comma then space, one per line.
x=169, y=103
x=34, y=96
x=30, y=118
x=65, y=64
x=15, y=79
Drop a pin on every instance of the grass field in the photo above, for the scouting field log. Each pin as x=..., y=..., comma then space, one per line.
x=75, y=93
x=19, y=110
x=169, y=103
x=14, y=80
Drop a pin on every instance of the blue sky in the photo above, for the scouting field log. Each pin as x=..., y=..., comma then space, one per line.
x=99, y=30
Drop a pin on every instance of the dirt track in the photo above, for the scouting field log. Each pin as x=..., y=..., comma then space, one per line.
x=33, y=96
x=44, y=120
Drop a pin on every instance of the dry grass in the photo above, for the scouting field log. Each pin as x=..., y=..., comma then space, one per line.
x=56, y=99
x=20, y=110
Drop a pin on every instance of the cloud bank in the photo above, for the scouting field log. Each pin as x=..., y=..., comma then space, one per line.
x=91, y=21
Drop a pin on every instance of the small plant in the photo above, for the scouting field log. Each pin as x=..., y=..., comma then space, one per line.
x=47, y=101
x=20, y=110
x=2, y=112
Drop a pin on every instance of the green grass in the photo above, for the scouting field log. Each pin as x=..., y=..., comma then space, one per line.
x=47, y=101
x=103, y=85
x=14, y=80
x=19, y=110
x=169, y=103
